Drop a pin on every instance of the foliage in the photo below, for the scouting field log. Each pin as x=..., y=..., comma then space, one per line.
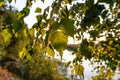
x=43, y=68
x=22, y=53
x=54, y=26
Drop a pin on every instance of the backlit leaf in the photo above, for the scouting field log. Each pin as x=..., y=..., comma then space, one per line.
x=25, y=11
x=110, y=74
x=68, y=1
x=20, y=15
x=43, y=32
x=59, y=40
x=17, y=25
x=67, y=25
x=28, y=56
x=79, y=69
x=40, y=46
x=50, y=51
x=72, y=71
x=29, y=3
x=38, y=10
x=9, y=1
x=31, y=32
x=68, y=63
x=22, y=53
x=43, y=1
x=102, y=69
x=6, y=34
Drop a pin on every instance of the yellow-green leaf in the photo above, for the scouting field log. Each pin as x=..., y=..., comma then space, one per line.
x=20, y=15
x=6, y=34
x=110, y=74
x=79, y=69
x=43, y=1
x=25, y=11
x=50, y=51
x=102, y=69
x=43, y=32
x=40, y=46
x=67, y=25
x=28, y=56
x=38, y=10
x=68, y=63
x=22, y=53
x=59, y=40
x=31, y=33
x=110, y=42
x=17, y=25
x=9, y=1
x=68, y=1
x=72, y=71
x=2, y=3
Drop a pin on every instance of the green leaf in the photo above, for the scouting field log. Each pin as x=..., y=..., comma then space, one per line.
x=6, y=34
x=43, y=32
x=79, y=69
x=50, y=51
x=110, y=74
x=29, y=3
x=9, y=1
x=94, y=33
x=25, y=11
x=43, y=1
x=22, y=53
x=28, y=56
x=38, y=10
x=47, y=38
x=47, y=9
x=85, y=42
x=67, y=25
x=31, y=32
x=68, y=63
x=72, y=71
x=20, y=15
x=118, y=15
x=17, y=25
x=22, y=32
x=102, y=68
x=110, y=42
x=59, y=40
x=68, y=1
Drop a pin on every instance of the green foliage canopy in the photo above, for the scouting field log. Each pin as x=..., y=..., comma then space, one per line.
x=90, y=17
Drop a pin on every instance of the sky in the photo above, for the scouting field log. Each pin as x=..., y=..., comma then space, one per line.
x=31, y=19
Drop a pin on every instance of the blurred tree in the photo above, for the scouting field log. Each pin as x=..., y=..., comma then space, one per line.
x=98, y=19
x=21, y=53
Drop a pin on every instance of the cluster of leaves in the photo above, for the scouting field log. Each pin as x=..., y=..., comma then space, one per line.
x=21, y=52
x=43, y=68
x=53, y=27
x=105, y=73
